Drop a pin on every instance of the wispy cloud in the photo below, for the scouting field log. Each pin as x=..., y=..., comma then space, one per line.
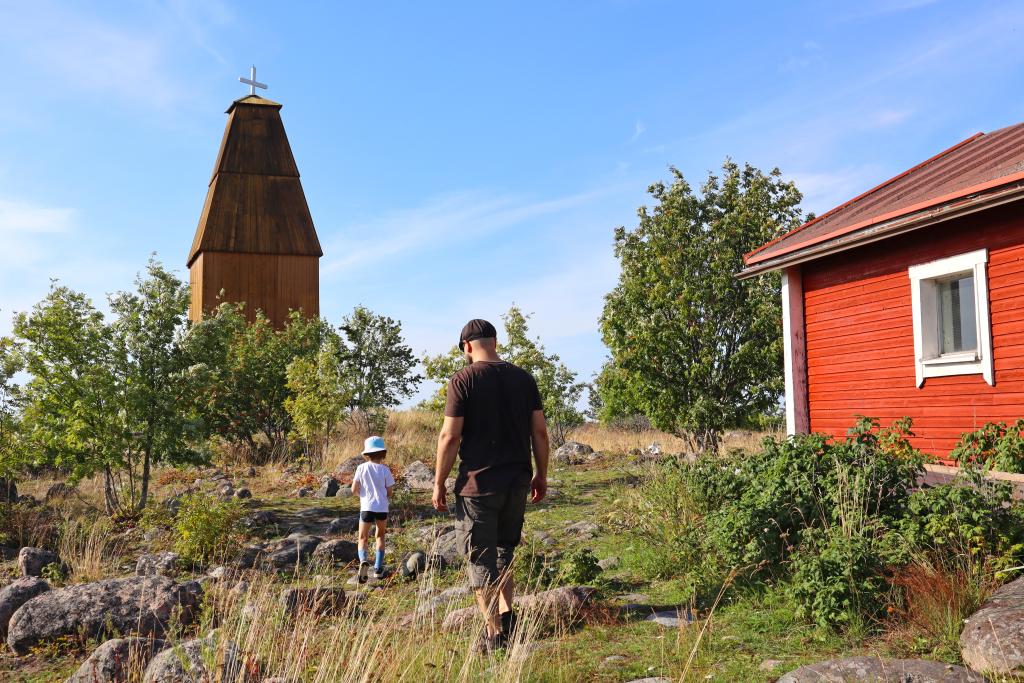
x=27, y=229
x=439, y=222
x=824, y=190
x=638, y=129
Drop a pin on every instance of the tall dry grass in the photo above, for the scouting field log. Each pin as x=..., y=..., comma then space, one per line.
x=87, y=547
x=410, y=435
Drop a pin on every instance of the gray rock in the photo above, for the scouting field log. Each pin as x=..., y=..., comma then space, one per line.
x=321, y=600
x=242, y=493
x=249, y=556
x=59, y=490
x=259, y=519
x=328, y=487
x=337, y=551
x=571, y=453
x=876, y=670
x=652, y=453
x=609, y=563
x=137, y=605
x=157, y=564
x=32, y=560
x=115, y=660
x=187, y=663
x=993, y=637
x=652, y=679
x=543, y=537
x=770, y=664
x=16, y=594
x=419, y=477
x=558, y=605
x=303, y=492
x=583, y=529
x=225, y=491
x=292, y=551
x=8, y=491
x=346, y=469
x=414, y=564
x=443, y=600
x=447, y=547
x=671, y=618
x=251, y=472
x=343, y=525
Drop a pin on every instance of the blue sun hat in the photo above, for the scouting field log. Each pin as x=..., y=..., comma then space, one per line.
x=374, y=444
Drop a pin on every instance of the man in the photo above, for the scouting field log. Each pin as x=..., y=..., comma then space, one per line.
x=493, y=419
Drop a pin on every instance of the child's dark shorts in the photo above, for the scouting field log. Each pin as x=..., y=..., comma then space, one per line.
x=370, y=517
x=487, y=531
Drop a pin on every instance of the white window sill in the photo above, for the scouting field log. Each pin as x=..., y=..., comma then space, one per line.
x=951, y=358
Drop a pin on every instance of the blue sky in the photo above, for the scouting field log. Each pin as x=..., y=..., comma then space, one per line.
x=459, y=157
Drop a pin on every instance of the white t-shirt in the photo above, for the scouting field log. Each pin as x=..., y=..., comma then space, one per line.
x=373, y=478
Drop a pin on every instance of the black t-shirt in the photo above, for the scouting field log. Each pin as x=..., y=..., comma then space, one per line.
x=497, y=400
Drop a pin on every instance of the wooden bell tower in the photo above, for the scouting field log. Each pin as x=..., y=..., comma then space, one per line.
x=255, y=242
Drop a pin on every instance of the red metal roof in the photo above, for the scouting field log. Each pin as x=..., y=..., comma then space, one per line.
x=981, y=162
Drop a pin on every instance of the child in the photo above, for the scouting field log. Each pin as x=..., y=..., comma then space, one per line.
x=373, y=483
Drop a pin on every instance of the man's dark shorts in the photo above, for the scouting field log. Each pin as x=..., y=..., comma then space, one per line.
x=488, y=529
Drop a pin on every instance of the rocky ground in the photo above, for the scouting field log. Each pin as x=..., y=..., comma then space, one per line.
x=147, y=615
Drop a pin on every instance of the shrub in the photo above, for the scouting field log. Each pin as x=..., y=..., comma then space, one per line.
x=206, y=527
x=996, y=445
x=580, y=567
x=839, y=574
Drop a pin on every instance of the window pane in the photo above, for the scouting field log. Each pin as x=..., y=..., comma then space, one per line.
x=958, y=329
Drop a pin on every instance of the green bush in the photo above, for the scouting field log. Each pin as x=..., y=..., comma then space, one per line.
x=971, y=516
x=839, y=575
x=995, y=445
x=580, y=567
x=206, y=528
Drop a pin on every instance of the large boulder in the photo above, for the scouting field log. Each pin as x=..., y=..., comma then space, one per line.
x=115, y=660
x=877, y=670
x=337, y=551
x=292, y=551
x=16, y=594
x=419, y=477
x=328, y=487
x=137, y=605
x=189, y=662
x=59, y=490
x=993, y=637
x=572, y=453
x=31, y=561
x=558, y=605
x=157, y=564
x=346, y=469
x=343, y=525
x=321, y=600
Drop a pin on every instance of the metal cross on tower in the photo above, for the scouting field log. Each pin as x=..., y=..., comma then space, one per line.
x=251, y=81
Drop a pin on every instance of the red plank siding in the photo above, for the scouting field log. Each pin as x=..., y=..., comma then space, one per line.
x=860, y=344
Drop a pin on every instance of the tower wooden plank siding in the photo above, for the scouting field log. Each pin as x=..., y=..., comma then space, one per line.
x=908, y=300
x=255, y=242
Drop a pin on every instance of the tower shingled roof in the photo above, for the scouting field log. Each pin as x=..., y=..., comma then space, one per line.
x=255, y=202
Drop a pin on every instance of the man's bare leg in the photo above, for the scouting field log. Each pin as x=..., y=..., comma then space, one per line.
x=487, y=601
x=506, y=592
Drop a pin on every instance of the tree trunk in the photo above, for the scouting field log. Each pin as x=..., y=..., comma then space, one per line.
x=144, y=487
x=110, y=502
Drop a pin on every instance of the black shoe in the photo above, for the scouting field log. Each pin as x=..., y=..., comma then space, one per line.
x=364, y=570
x=509, y=621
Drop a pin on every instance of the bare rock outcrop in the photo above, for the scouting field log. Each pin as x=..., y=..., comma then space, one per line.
x=878, y=670
x=116, y=659
x=993, y=637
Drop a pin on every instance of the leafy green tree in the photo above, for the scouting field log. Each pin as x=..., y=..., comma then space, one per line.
x=693, y=348
x=557, y=384
x=109, y=398
x=321, y=395
x=11, y=453
x=245, y=371
x=378, y=363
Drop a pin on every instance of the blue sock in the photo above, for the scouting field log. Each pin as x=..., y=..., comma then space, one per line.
x=379, y=564
x=362, y=555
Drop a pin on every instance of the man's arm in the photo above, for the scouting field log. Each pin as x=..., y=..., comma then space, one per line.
x=541, y=450
x=447, y=448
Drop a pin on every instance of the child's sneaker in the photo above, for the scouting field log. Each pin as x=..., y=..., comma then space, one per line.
x=378, y=572
x=364, y=571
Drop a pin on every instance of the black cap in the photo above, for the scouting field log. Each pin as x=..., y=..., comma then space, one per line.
x=477, y=329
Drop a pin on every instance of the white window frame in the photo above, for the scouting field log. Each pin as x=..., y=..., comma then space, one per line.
x=927, y=361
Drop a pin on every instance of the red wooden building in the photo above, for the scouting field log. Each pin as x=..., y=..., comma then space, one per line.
x=908, y=300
